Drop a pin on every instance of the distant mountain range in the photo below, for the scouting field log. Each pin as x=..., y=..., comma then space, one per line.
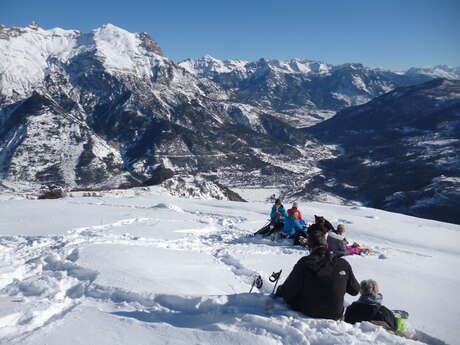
x=401, y=151
x=106, y=109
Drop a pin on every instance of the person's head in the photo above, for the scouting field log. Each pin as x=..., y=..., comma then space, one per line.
x=295, y=215
x=278, y=202
x=369, y=287
x=316, y=239
x=295, y=205
x=340, y=229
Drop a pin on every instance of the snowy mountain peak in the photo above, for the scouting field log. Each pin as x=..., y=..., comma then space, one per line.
x=123, y=51
x=208, y=65
x=29, y=53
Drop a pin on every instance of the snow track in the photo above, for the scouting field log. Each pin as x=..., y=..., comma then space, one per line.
x=188, y=265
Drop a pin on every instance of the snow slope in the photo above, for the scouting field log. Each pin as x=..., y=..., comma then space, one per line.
x=145, y=267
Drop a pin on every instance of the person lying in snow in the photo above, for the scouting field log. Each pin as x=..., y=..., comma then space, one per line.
x=369, y=308
x=294, y=208
x=318, y=282
x=321, y=225
x=337, y=242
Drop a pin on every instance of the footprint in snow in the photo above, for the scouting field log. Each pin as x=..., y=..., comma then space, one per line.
x=372, y=217
x=344, y=221
x=169, y=207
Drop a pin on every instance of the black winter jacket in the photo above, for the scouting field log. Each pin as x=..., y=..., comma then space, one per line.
x=358, y=312
x=317, y=285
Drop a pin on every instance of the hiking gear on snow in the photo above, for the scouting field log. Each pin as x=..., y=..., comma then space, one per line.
x=274, y=278
x=402, y=314
x=317, y=285
x=263, y=230
x=269, y=229
x=258, y=282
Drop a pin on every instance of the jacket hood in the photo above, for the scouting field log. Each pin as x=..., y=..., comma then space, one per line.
x=335, y=235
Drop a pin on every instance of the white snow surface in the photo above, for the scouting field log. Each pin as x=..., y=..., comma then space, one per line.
x=147, y=268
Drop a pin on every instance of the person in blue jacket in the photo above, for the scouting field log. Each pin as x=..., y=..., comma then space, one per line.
x=277, y=215
x=292, y=226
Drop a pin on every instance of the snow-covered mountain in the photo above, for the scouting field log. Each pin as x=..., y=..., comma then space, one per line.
x=109, y=103
x=300, y=91
x=138, y=267
x=441, y=71
x=106, y=109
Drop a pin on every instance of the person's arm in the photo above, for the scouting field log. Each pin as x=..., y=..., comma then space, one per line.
x=283, y=212
x=388, y=316
x=352, y=283
x=292, y=285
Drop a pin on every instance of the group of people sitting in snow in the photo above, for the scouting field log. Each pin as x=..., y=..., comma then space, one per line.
x=289, y=224
x=318, y=282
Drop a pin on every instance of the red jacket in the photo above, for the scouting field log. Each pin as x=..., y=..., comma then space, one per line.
x=291, y=210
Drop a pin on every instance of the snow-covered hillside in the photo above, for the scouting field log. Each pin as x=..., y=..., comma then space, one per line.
x=142, y=267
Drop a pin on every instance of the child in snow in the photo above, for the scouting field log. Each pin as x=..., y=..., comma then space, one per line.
x=292, y=225
x=338, y=243
x=369, y=308
x=294, y=208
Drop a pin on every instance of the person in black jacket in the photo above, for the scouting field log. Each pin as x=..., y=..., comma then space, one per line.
x=317, y=284
x=369, y=306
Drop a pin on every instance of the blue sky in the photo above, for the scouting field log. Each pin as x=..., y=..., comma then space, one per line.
x=380, y=33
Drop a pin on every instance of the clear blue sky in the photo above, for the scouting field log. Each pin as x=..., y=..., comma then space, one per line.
x=393, y=34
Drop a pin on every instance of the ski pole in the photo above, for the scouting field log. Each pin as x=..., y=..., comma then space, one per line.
x=258, y=282
x=274, y=278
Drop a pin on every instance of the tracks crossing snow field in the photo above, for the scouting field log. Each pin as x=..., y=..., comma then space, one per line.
x=181, y=268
